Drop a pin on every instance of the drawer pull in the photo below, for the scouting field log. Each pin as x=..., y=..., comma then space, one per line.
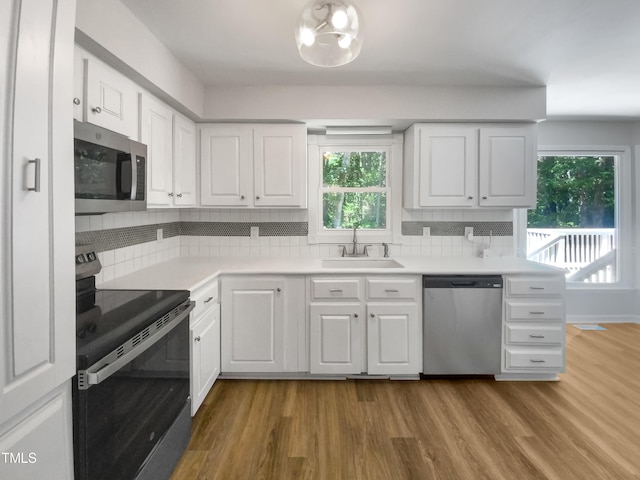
x=537, y=361
x=208, y=300
x=536, y=313
x=536, y=336
x=335, y=290
x=536, y=288
x=391, y=290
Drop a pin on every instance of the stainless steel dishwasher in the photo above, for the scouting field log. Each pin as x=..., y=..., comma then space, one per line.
x=462, y=321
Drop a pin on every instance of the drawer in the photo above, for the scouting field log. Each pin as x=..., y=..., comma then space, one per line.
x=391, y=289
x=535, y=334
x=205, y=297
x=522, y=358
x=334, y=288
x=534, y=310
x=535, y=286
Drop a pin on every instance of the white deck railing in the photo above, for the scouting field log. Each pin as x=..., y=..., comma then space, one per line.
x=587, y=254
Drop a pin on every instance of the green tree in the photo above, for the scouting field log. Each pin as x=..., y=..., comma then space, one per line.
x=574, y=192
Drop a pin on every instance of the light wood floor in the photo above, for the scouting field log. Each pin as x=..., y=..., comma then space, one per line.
x=586, y=426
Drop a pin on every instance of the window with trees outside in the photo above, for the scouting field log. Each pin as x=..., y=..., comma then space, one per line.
x=574, y=223
x=354, y=189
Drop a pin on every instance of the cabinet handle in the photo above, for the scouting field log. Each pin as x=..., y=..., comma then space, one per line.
x=170, y=194
x=335, y=290
x=208, y=300
x=537, y=361
x=355, y=315
x=536, y=336
x=536, y=288
x=179, y=195
x=391, y=290
x=197, y=339
x=536, y=313
x=484, y=198
x=36, y=183
x=278, y=289
x=96, y=110
x=470, y=198
x=76, y=101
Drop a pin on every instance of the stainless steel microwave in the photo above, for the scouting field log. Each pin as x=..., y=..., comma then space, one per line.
x=110, y=171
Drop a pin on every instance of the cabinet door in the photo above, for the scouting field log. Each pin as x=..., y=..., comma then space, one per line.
x=156, y=131
x=336, y=338
x=253, y=325
x=225, y=169
x=112, y=99
x=184, y=161
x=280, y=158
x=37, y=350
x=448, y=159
x=394, y=339
x=508, y=167
x=205, y=358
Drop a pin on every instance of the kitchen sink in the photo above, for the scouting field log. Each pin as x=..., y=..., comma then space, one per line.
x=360, y=263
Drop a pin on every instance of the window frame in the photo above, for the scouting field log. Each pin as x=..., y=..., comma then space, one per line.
x=392, y=145
x=623, y=212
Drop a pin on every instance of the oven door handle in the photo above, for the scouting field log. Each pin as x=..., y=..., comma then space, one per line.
x=114, y=361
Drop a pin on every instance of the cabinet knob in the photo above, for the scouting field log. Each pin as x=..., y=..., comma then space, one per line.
x=96, y=110
x=278, y=289
x=197, y=339
x=76, y=101
x=484, y=198
x=355, y=315
x=373, y=315
x=470, y=198
x=257, y=197
x=179, y=195
x=170, y=194
x=241, y=197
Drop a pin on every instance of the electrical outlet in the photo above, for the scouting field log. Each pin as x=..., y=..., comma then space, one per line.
x=255, y=232
x=468, y=233
x=159, y=234
x=426, y=232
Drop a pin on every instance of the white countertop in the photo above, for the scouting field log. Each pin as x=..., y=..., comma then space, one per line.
x=188, y=273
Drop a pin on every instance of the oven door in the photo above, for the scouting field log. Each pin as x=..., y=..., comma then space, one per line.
x=125, y=406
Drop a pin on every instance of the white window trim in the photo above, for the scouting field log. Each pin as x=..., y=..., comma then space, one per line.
x=623, y=213
x=390, y=143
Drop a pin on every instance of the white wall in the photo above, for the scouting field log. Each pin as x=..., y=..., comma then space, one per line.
x=397, y=105
x=110, y=31
x=618, y=303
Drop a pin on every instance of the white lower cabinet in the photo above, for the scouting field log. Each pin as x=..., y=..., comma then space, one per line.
x=365, y=325
x=205, y=343
x=262, y=320
x=533, y=327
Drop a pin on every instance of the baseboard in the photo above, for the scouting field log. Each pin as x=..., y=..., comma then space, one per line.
x=603, y=318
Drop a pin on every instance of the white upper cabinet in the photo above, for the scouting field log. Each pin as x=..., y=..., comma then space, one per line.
x=253, y=166
x=156, y=132
x=36, y=224
x=111, y=99
x=469, y=166
x=184, y=161
x=507, y=174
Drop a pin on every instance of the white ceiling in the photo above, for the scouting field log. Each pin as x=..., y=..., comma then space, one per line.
x=587, y=52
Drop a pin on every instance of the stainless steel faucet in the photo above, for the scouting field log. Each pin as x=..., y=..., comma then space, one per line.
x=386, y=249
x=355, y=241
x=354, y=251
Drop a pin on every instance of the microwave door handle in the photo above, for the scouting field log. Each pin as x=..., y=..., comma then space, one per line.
x=134, y=175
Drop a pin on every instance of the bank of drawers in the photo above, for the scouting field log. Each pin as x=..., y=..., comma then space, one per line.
x=534, y=324
x=375, y=289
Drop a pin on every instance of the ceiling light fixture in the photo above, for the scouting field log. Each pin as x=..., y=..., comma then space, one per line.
x=329, y=33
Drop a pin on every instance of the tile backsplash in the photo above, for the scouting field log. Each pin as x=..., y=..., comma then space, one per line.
x=127, y=242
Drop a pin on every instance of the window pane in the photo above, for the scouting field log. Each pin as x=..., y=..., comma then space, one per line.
x=354, y=169
x=573, y=226
x=351, y=210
